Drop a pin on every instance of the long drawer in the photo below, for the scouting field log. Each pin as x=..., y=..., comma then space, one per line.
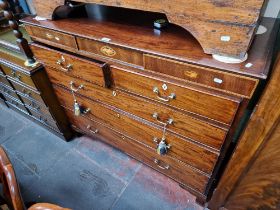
x=181, y=173
x=228, y=82
x=181, y=149
x=187, y=126
x=222, y=109
x=95, y=72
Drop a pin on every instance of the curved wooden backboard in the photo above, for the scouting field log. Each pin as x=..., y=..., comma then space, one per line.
x=223, y=27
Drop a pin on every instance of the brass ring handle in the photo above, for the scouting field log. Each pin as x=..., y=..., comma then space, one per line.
x=92, y=131
x=157, y=162
x=64, y=68
x=72, y=84
x=165, y=99
x=168, y=122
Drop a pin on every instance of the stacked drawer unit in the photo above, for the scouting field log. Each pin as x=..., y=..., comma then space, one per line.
x=27, y=90
x=176, y=117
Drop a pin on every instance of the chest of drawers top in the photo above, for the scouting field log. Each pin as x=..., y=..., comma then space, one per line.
x=135, y=37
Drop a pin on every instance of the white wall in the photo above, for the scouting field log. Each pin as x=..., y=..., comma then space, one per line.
x=273, y=8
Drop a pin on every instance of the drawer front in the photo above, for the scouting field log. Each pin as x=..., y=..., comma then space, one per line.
x=7, y=90
x=185, y=125
x=168, y=166
x=110, y=51
x=19, y=76
x=43, y=118
x=175, y=121
x=42, y=109
x=90, y=71
x=240, y=85
x=51, y=37
x=215, y=107
x=180, y=149
x=15, y=103
x=27, y=92
x=4, y=80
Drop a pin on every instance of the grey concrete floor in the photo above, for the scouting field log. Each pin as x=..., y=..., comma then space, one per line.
x=85, y=173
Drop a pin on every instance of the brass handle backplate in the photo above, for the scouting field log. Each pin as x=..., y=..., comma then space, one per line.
x=63, y=66
x=164, y=167
x=165, y=99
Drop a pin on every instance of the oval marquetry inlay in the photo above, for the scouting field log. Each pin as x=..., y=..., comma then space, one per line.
x=108, y=51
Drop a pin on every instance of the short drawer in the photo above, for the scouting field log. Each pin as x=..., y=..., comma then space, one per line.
x=43, y=118
x=233, y=83
x=183, y=174
x=216, y=107
x=27, y=92
x=91, y=71
x=19, y=76
x=110, y=51
x=181, y=149
x=51, y=37
x=9, y=91
x=4, y=80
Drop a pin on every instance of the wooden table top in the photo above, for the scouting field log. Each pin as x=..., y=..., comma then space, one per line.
x=134, y=29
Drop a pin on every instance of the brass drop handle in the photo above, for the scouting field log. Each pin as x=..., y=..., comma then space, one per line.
x=165, y=99
x=162, y=147
x=92, y=131
x=72, y=84
x=61, y=62
x=18, y=77
x=157, y=162
x=168, y=122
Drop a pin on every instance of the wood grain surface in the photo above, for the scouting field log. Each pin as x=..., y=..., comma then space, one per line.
x=254, y=168
x=223, y=18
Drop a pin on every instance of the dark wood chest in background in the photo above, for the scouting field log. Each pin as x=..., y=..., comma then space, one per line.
x=27, y=90
x=150, y=91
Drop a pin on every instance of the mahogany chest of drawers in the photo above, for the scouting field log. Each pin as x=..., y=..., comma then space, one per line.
x=153, y=94
x=28, y=91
